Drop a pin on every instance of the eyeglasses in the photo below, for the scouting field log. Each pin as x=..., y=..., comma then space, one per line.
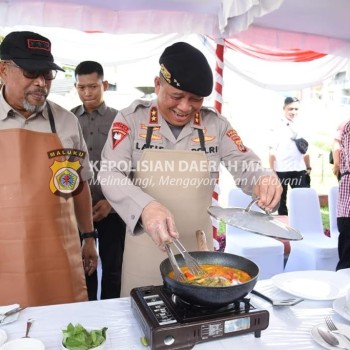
x=48, y=74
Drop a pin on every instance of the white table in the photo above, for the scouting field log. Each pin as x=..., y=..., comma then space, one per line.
x=289, y=327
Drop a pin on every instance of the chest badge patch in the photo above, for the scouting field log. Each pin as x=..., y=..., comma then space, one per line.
x=65, y=177
x=232, y=134
x=207, y=138
x=119, y=132
x=154, y=137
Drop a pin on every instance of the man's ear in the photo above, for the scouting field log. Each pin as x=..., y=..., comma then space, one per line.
x=157, y=84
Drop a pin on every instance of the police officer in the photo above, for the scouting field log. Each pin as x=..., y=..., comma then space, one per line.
x=161, y=163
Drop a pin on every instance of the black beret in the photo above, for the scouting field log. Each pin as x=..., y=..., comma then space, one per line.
x=186, y=68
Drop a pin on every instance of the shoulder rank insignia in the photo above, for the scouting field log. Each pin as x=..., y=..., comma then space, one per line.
x=232, y=134
x=153, y=115
x=197, y=119
x=119, y=132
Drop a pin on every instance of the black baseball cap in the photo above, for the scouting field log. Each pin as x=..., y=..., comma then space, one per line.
x=186, y=68
x=30, y=51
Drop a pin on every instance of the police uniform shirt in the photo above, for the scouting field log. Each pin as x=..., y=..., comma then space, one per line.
x=67, y=128
x=127, y=139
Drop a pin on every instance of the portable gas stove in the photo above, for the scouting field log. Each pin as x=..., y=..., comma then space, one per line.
x=171, y=323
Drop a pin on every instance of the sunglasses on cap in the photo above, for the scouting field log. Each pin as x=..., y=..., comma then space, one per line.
x=47, y=74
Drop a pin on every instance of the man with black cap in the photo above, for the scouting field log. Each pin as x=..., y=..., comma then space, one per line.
x=44, y=194
x=174, y=147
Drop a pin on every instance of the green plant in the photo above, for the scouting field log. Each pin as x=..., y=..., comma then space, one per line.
x=325, y=216
x=222, y=228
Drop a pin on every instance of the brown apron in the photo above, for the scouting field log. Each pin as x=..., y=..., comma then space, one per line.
x=188, y=204
x=40, y=254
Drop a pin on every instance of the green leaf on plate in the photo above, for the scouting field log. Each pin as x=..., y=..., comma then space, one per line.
x=78, y=338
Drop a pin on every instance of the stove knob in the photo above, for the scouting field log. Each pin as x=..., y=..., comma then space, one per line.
x=169, y=340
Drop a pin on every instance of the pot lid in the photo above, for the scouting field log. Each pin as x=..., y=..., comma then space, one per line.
x=256, y=222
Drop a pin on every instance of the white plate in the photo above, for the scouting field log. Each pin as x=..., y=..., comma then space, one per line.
x=24, y=344
x=3, y=336
x=339, y=306
x=315, y=284
x=342, y=342
x=11, y=318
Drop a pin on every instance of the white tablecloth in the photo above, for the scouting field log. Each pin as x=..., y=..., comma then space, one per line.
x=289, y=327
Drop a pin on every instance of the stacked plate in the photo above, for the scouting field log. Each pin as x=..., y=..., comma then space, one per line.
x=313, y=285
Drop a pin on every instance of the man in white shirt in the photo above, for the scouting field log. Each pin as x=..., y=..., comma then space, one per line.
x=291, y=166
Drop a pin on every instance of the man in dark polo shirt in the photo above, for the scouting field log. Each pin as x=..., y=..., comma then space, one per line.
x=96, y=118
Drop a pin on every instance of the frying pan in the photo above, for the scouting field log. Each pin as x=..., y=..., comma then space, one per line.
x=211, y=296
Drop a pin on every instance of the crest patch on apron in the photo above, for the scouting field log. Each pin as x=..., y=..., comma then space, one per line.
x=119, y=132
x=232, y=134
x=65, y=172
x=65, y=177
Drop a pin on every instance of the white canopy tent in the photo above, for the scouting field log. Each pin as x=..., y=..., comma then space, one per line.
x=319, y=25
x=121, y=32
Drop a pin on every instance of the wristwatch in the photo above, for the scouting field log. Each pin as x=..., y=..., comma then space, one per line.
x=309, y=168
x=92, y=234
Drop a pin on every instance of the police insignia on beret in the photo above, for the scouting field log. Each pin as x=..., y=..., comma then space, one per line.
x=165, y=73
x=186, y=68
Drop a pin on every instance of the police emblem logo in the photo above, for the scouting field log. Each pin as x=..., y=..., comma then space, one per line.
x=65, y=177
x=232, y=134
x=119, y=132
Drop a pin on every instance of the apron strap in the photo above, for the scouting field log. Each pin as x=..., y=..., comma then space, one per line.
x=201, y=139
x=149, y=136
x=52, y=121
x=150, y=132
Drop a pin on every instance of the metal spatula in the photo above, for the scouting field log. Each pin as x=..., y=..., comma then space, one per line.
x=178, y=274
x=190, y=261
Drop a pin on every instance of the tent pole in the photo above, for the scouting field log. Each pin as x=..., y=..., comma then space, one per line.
x=220, y=44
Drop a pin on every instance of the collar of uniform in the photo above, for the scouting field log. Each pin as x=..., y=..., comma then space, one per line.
x=154, y=116
x=286, y=121
x=196, y=121
x=101, y=110
x=44, y=113
x=5, y=108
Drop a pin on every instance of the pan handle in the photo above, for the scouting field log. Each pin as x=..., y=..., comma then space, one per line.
x=201, y=240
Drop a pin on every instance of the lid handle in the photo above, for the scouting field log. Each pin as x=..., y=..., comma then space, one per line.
x=254, y=201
